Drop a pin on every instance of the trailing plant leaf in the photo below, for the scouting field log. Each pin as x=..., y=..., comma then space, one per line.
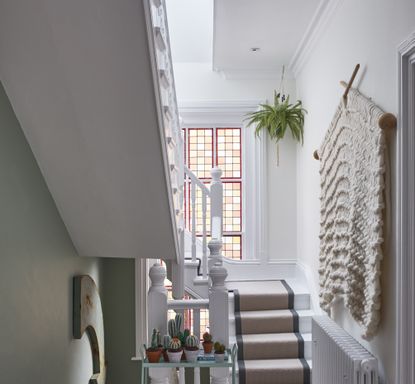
x=277, y=118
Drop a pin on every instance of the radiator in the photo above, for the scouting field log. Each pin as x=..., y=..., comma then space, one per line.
x=338, y=358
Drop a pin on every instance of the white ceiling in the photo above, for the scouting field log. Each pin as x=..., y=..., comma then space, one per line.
x=191, y=30
x=275, y=26
x=223, y=31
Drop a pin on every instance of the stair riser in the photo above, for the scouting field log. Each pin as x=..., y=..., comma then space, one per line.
x=304, y=323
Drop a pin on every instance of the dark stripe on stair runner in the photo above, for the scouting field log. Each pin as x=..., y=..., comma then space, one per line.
x=300, y=345
x=296, y=321
x=290, y=294
x=306, y=371
x=239, y=341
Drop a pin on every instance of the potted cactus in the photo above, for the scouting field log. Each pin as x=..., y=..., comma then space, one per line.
x=191, y=348
x=207, y=342
x=154, y=352
x=219, y=352
x=175, y=326
x=175, y=350
x=166, y=345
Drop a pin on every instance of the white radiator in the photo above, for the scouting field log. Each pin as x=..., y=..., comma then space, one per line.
x=338, y=358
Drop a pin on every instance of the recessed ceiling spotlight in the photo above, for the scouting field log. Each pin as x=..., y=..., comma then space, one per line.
x=255, y=49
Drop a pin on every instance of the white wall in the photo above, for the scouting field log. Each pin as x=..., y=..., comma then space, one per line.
x=197, y=82
x=365, y=32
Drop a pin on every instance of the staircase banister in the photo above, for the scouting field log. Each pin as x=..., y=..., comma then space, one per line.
x=188, y=304
x=196, y=180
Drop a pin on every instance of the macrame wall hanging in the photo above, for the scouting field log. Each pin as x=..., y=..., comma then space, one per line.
x=353, y=163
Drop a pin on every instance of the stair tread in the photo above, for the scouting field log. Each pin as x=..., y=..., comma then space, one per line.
x=275, y=371
x=273, y=337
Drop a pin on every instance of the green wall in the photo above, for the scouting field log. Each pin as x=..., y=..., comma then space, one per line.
x=119, y=321
x=37, y=263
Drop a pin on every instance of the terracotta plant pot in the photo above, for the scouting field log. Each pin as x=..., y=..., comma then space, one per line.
x=219, y=357
x=153, y=355
x=191, y=355
x=175, y=356
x=207, y=346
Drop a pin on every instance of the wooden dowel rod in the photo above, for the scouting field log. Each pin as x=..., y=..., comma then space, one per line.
x=349, y=85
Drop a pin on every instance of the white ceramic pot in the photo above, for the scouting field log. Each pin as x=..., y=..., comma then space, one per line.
x=175, y=357
x=219, y=357
x=191, y=355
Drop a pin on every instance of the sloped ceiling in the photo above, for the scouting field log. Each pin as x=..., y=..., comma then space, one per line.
x=79, y=78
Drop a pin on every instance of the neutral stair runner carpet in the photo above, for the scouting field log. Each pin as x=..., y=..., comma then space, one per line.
x=270, y=347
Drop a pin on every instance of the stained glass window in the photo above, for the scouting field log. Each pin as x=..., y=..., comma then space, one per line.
x=206, y=148
x=228, y=152
x=200, y=151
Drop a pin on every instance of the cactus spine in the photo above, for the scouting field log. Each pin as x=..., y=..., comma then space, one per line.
x=175, y=344
x=192, y=342
x=166, y=341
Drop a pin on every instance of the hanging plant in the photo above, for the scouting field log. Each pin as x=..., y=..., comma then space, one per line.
x=279, y=117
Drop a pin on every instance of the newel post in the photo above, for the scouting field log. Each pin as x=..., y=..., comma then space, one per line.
x=216, y=201
x=219, y=316
x=219, y=304
x=157, y=300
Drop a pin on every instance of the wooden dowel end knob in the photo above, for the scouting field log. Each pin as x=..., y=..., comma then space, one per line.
x=315, y=155
x=388, y=121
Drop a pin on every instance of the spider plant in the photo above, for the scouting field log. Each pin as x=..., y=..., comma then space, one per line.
x=278, y=117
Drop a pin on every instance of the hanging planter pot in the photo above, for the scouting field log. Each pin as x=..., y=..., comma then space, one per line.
x=279, y=117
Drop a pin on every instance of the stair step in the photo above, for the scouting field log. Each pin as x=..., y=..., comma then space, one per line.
x=199, y=280
x=275, y=371
x=301, y=300
x=304, y=319
x=274, y=346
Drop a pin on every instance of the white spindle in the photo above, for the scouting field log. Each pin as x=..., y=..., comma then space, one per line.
x=204, y=245
x=196, y=322
x=193, y=197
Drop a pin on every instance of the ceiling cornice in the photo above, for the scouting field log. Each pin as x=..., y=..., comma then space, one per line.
x=325, y=11
x=216, y=111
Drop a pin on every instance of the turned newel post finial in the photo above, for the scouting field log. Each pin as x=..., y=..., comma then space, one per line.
x=157, y=276
x=218, y=274
x=216, y=174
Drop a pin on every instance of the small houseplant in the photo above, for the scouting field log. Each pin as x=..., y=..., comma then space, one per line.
x=166, y=345
x=207, y=342
x=154, y=352
x=219, y=352
x=279, y=117
x=191, y=348
x=174, y=327
x=175, y=350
